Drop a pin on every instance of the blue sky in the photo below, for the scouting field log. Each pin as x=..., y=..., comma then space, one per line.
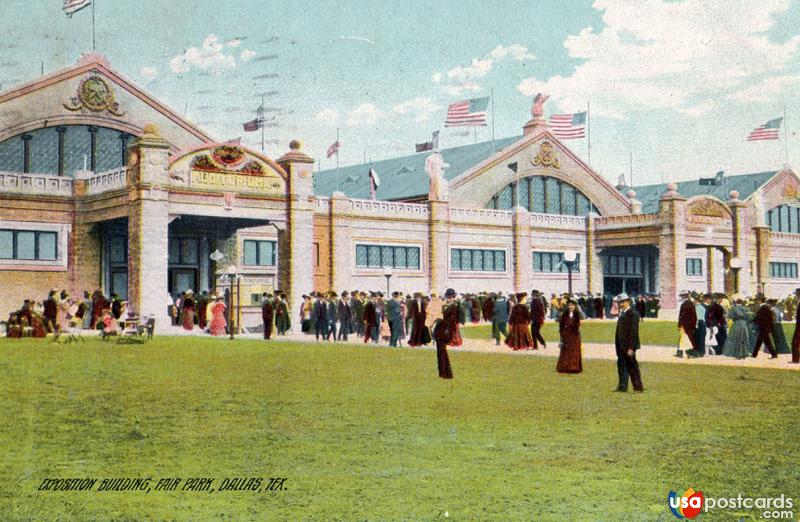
x=677, y=85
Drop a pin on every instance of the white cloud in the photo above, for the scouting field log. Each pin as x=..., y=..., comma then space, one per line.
x=477, y=69
x=364, y=114
x=327, y=116
x=246, y=55
x=668, y=55
x=234, y=42
x=148, y=73
x=209, y=57
x=421, y=108
x=765, y=90
x=516, y=51
x=437, y=77
x=456, y=89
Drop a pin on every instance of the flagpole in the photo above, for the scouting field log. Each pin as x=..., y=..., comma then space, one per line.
x=785, y=138
x=94, y=43
x=492, y=119
x=337, y=158
x=261, y=116
x=589, y=130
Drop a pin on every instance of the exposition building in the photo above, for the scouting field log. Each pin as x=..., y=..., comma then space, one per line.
x=101, y=186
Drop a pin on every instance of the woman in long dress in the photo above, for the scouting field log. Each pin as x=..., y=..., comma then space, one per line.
x=445, y=332
x=188, y=311
x=738, y=344
x=569, y=326
x=218, y=323
x=519, y=336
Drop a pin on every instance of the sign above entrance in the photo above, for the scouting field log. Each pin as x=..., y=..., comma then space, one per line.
x=708, y=211
x=231, y=169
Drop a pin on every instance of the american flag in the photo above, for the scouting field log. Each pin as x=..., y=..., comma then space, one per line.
x=467, y=113
x=569, y=126
x=333, y=149
x=73, y=6
x=252, y=125
x=768, y=131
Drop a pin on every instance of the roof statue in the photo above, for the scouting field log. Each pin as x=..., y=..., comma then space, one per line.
x=439, y=188
x=537, y=109
x=758, y=208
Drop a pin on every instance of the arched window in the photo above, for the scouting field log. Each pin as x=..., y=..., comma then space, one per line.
x=543, y=194
x=784, y=218
x=64, y=149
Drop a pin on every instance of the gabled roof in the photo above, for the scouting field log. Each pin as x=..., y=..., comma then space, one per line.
x=97, y=62
x=404, y=177
x=745, y=184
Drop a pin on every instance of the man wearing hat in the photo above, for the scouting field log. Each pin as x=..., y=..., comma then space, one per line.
x=395, y=317
x=319, y=312
x=371, y=319
x=345, y=313
x=687, y=322
x=796, y=337
x=537, y=319
x=764, y=321
x=499, y=317
x=626, y=341
x=446, y=332
x=267, y=314
x=331, y=316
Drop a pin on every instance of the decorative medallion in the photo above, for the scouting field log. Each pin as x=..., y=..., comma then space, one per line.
x=227, y=200
x=228, y=155
x=546, y=157
x=95, y=95
x=790, y=191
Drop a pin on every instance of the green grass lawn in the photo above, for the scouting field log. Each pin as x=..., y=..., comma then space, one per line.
x=651, y=332
x=365, y=433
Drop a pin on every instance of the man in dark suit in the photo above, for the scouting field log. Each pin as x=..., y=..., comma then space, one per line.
x=500, y=318
x=796, y=337
x=267, y=314
x=765, y=321
x=537, y=319
x=345, y=317
x=332, y=316
x=319, y=312
x=626, y=341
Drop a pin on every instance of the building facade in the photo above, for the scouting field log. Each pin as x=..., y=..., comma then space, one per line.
x=103, y=187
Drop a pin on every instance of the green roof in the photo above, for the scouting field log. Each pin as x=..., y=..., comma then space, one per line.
x=404, y=177
x=745, y=184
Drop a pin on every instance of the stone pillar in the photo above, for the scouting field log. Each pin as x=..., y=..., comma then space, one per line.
x=341, y=243
x=438, y=256
x=594, y=265
x=297, y=277
x=740, y=251
x=671, y=250
x=522, y=264
x=762, y=259
x=711, y=271
x=148, y=225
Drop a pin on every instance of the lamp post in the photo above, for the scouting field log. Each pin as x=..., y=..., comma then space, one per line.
x=232, y=274
x=387, y=272
x=570, y=259
x=736, y=265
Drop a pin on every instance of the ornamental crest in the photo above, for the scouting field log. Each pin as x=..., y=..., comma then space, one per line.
x=95, y=95
x=790, y=191
x=707, y=211
x=228, y=159
x=546, y=157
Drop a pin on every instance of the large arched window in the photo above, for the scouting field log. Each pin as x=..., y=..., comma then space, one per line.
x=543, y=194
x=64, y=149
x=784, y=218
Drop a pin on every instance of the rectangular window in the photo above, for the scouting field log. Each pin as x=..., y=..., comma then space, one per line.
x=694, y=267
x=624, y=265
x=315, y=254
x=118, y=249
x=553, y=262
x=377, y=256
x=477, y=260
x=780, y=270
x=28, y=245
x=259, y=253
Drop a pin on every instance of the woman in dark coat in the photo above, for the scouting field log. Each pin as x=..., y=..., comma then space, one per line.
x=446, y=332
x=419, y=332
x=519, y=336
x=188, y=311
x=370, y=319
x=569, y=326
x=475, y=315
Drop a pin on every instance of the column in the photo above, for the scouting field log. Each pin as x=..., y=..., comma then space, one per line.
x=438, y=245
x=26, y=152
x=93, y=148
x=762, y=258
x=341, y=242
x=148, y=227
x=671, y=250
x=522, y=262
x=710, y=270
x=740, y=250
x=594, y=266
x=297, y=275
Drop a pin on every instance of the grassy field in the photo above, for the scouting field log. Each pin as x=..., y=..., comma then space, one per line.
x=651, y=332
x=364, y=433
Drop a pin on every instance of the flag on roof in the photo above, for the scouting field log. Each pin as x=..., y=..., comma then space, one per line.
x=374, y=183
x=429, y=145
x=467, y=113
x=73, y=6
x=768, y=131
x=252, y=125
x=568, y=126
x=333, y=149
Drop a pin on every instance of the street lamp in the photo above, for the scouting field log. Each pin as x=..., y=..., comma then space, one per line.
x=736, y=265
x=232, y=273
x=387, y=272
x=570, y=259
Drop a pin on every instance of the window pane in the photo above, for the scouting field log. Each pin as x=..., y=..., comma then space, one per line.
x=6, y=244
x=537, y=262
x=547, y=263
x=117, y=253
x=466, y=259
x=455, y=259
x=638, y=265
x=387, y=256
x=552, y=203
x=500, y=260
x=119, y=284
x=538, y=194
x=488, y=261
x=400, y=257
x=477, y=259
x=583, y=205
x=504, y=199
x=413, y=258
x=614, y=265
x=374, y=256
x=250, y=253
x=189, y=251
x=174, y=251
x=47, y=246
x=266, y=253
x=568, y=199
x=25, y=245
x=361, y=255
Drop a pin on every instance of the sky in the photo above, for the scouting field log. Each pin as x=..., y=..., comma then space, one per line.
x=673, y=87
